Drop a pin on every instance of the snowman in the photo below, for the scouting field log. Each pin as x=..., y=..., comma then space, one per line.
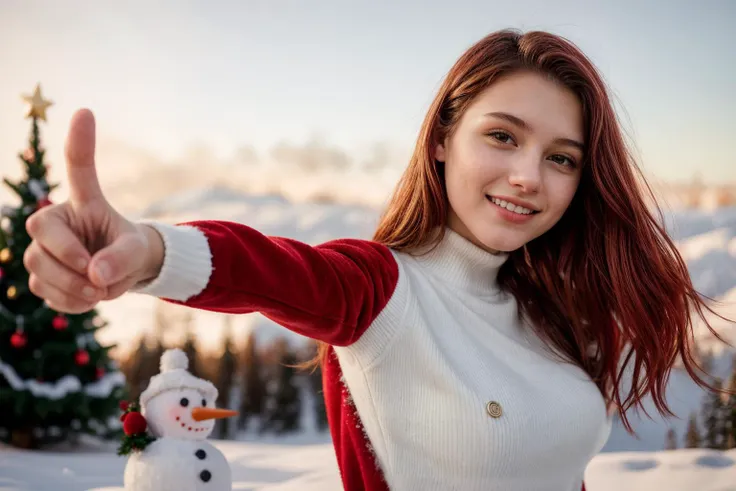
x=179, y=411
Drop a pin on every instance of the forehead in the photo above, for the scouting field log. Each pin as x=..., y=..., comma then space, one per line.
x=547, y=106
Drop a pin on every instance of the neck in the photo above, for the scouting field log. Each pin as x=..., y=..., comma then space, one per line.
x=463, y=264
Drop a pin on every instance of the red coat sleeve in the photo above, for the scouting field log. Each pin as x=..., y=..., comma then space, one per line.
x=331, y=292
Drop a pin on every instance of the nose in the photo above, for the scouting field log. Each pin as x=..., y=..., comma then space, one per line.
x=205, y=413
x=525, y=173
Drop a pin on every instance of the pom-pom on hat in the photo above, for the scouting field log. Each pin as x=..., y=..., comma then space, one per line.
x=174, y=375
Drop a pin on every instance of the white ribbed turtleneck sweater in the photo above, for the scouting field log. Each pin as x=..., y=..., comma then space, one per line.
x=455, y=393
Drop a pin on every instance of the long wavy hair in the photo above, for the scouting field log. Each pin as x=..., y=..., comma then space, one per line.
x=605, y=287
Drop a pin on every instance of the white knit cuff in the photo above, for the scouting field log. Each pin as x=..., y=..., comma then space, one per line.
x=187, y=263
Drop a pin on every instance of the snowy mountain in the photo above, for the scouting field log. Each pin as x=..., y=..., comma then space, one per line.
x=707, y=241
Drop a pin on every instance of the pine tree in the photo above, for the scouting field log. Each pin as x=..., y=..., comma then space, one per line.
x=714, y=418
x=190, y=347
x=288, y=397
x=671, y=443
x=730, y=414
x=692, y=436
x=253, y=388
x=136, y=374
x=56, y=381
x=225, y=375
x=282, y=407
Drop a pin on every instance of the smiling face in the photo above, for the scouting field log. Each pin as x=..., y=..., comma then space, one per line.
x=513, y=162
x=170, y=414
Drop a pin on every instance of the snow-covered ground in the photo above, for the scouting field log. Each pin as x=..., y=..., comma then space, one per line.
x=303, y=465
x=306, y=462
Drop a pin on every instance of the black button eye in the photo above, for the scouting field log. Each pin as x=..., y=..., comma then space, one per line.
x=205, y=475
x=204, y=402
x=184, y=402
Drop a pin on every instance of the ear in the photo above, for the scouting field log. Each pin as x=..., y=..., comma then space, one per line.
x=439, y=152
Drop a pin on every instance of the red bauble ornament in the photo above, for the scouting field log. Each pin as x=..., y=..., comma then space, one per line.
x=60, y=323
x=81, y=357
x=134, y=423
x=43, y=202
x=18, y=340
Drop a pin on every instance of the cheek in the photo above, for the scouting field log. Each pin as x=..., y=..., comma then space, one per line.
x=560, y=193
x=474, y=161
x=176, y=414
x=466, y=175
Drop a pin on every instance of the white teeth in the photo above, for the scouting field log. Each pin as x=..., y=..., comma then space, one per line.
x=511, y=207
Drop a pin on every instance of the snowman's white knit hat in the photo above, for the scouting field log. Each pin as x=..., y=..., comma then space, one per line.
x=174, y=376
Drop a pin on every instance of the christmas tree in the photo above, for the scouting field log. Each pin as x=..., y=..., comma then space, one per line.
x=56, y=381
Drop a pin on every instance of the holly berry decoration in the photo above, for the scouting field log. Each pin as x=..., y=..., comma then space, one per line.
x=81, y=357
x=134, y=423
x=134, y=426
x=18, y=340
x=60, y=323
x=99, y=373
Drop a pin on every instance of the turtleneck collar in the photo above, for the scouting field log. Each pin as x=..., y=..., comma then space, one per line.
x=463, y=264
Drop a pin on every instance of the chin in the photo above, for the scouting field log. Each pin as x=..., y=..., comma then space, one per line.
x=500, y=242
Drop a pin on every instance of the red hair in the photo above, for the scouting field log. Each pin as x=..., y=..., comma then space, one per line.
x=607, y=275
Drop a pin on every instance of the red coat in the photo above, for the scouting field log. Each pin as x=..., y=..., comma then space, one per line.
x=331, y=293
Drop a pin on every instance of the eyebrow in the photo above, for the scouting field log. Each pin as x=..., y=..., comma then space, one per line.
x=515, y=120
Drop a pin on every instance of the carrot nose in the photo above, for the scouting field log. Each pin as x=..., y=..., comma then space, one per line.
x=204, y=413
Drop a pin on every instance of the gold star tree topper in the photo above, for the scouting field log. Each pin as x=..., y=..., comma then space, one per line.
x=38, y=104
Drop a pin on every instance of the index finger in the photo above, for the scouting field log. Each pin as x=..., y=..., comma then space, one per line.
x=59, y=240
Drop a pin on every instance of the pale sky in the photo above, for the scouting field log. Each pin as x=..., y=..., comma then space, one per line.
x=165, y=76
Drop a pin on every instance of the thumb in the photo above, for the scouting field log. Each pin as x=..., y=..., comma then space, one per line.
x=80, y=158
x=117, y=261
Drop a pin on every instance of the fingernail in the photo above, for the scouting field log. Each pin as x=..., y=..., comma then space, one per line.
x=82, y=263
x=89, y=292
x=103, y=271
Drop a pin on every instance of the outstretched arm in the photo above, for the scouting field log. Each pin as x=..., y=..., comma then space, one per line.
x=331, y=292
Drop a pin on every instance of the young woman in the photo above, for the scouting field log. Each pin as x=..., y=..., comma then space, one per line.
x=517, y=293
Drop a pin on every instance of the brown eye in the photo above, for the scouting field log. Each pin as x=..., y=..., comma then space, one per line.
x=563, y=160
x=501, y=136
